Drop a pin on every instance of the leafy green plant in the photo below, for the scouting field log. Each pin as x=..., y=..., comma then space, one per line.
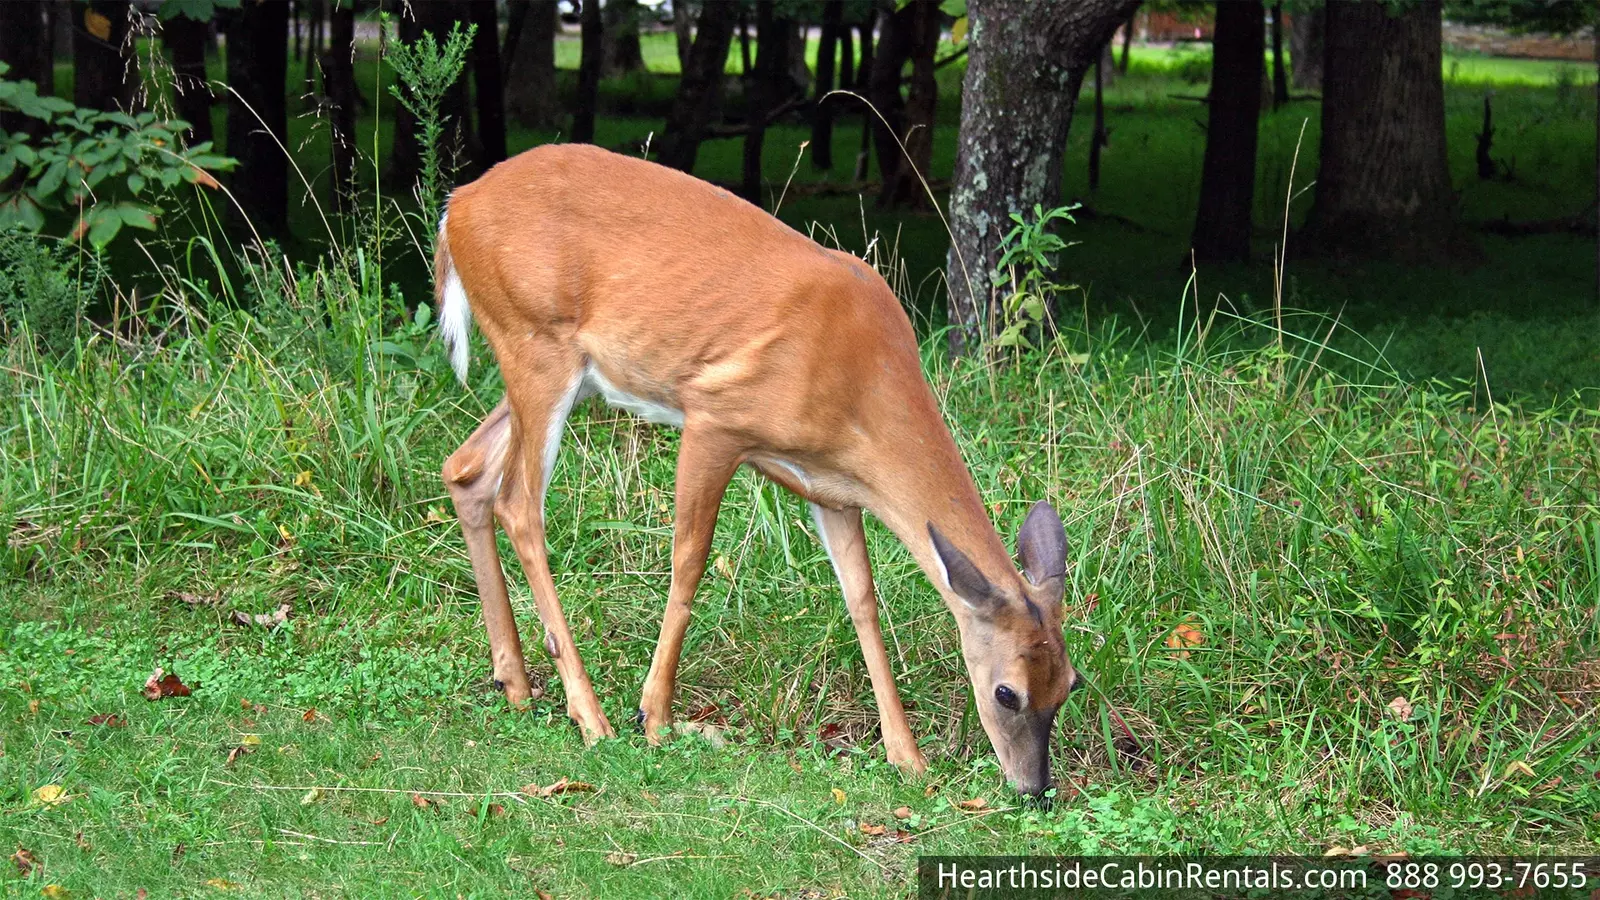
x=426, y=72
x=111, y=167
x=1026, y=272
x=44, y=286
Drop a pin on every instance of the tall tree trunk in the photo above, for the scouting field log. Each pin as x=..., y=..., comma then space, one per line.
x=22, y=33
x=745, y=66
x=846, y=76
x=315, y=12
x=1280, y=78
x=622, y=53
x=1384, y=185
x=1306, y=48
x=102, y=55
x=1108, y=65
x=700, y=89
x=339, y=83
x=682, y=32
x=1127, y=40
x=863, y=86
x=258, y=120
x=488, y=89
x=1025, y=66
x=186, y=43
x=821, y=110
x=766, y=91
x=917, y=37
x=531, y=96
x=589, y=73
x=1228, y=175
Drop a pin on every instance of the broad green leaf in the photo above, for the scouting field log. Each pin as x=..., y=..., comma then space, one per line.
x=135, y=215
x=104, y=224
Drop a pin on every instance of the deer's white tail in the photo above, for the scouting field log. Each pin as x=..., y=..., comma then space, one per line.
x=455, y=314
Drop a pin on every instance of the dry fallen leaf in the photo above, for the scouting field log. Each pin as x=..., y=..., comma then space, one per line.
x=903, y=812
x=193, y=599
x=55, y=892
x=50, y=795
x=621, y=858
x=973, y=805
x=497, y=810
x=309, y=715
x=222, y=884
x=931, y=789
x=161, y=685
x=109, y=720
x=25, y=861
x=868, y=828
x=421, y=802
x=838, y=796
x=33, y=707
x=265, y=620
x=1401, y=708
x=560, y=786
x=311, y=796
x=904, y=837
x=1516, y=767
x=1184, y=636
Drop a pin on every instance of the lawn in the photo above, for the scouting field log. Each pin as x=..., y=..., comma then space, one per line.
x=1321, y=605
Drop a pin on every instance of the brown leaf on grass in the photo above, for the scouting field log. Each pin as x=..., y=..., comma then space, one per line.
x=421, y=802
x=25, y=861
x=309, y=715
x=931, y=789
x=161, y=685
x=497, y=810
x=109, y=720
x=711, y=712
x=560, y=786
x=871, y=830
x=976, y=804
x=33, y=707
x=222, y=884
x=243, y=749
x=265, y=620
x=1401, y=708
x=50, y=795
x=621, y=858
x=903, y=812
x=904, y=837
x=55, y=892
x=193, y=599
x=141, y=894
x=81, y=841
x=203, y=178
x=1183, y=637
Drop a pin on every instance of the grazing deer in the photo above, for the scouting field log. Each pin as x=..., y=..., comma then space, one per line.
x=591, y=272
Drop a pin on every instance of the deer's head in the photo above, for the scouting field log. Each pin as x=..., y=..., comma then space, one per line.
x=1011, y=639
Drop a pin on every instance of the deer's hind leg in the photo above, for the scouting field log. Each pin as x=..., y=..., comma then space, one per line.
x=473, y=474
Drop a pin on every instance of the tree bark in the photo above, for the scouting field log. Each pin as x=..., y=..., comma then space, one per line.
x=1127, y=40
x=531, y=96
x=1306, y=49
x=1280, y=78
x=621, y=38
x=822, y=111
x=315, y=12
x=258, y=120
x=102, y=60
x=186, y=43
x=863, y=86
x=23, y=31
x=1228, y=174
x=488, y=89
x=682, y=32
x=1384, y=185
x=589, y=73
x=1024, y=69
x=339, y=84
x=912, y=34
x=767, y=90
x=700, y=89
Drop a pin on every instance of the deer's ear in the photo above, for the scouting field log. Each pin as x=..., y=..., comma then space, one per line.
x=1042, y=545
x=960, y=575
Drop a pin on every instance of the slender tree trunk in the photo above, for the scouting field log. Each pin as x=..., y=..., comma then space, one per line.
x=822, y=111
x=917, y=38
x=102, y=58
x=531, y=96
x=883, y=86
x=1099, y=138
x=314, y=13
x=682, y=32
x=863, y=86
x=1228, y=175
x=1127, y=40
x=1024, y=69
x=622, y=53
x=186, y=43
x=1107, y=67
x=846, y=76
x=258, y=120
x=339, y=83
x=745, y=66
x=488, y=89
x=22, y=32
x=1384, y=185
x=700, y=89
x=767, y=91
x=1306, y=48
x=1280, y=77
x=589, y=73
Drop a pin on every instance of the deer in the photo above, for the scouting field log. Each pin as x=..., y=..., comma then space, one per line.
x=590, y=272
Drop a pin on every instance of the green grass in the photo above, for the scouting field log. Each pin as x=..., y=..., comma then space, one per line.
x=1338, y=544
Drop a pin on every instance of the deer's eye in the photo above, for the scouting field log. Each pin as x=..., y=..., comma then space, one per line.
x=1006, y=697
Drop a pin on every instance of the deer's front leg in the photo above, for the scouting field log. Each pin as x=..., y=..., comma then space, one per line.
x=472, y=474
x=846, y=543
x=706, y=463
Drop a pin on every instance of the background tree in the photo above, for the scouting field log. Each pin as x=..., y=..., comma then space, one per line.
x=1383, y=189
x=911, y=34
x=588, y=73
x=530, y=60
x=700, y=88
x=23, y=31
x=827, y=58
x=185, y=39
x=488, y=90
x=1280, y=77
x=1305, y=46
x=770, y=92
x=1025, y=65
x=620, y=43
x=339, y=86
x=258, y=121
x=102, y=55
x=1228, y=174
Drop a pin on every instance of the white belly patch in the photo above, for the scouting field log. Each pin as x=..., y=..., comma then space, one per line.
x=650, y=411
